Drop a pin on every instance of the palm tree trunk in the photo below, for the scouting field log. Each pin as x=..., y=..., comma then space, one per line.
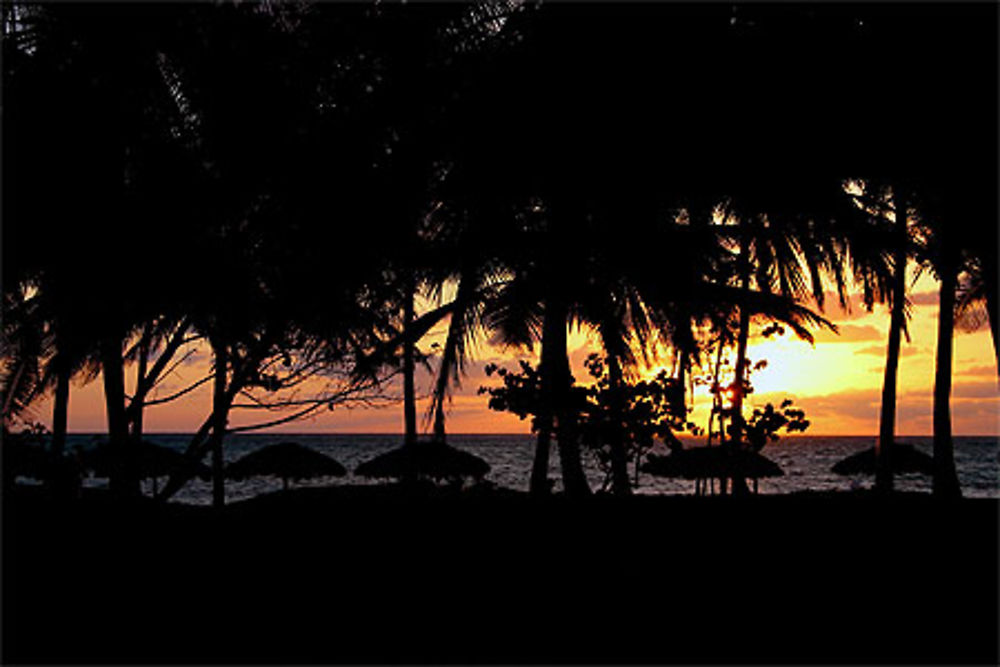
x=441, y=384
x=945, y=476
x=619, y=463
x=570, y=463
x=449, y=356
x=552, y=321
x=887, y=418
x=719, y=417
x=220, y=414
x=140, y=380
x=539, y=485
x=715, y=398
x=60, y=408
x=409, y=391
x=123, y=482
x=554, y=411
x=739, y=483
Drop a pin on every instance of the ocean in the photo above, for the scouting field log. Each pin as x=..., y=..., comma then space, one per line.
x=805, y=460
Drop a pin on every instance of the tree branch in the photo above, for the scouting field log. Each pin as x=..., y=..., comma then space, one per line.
x=152, y=377
x=177, y=363
x=276, y=422
x=178, y=394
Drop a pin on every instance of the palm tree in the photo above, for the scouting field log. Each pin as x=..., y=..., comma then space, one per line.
x=453, y=355
x=476, y=285
x=535, y=306
x=25, y=346
x=897, y=323
x=945, y=475
x=121, y=131
x=859, y=247
x=947, y=212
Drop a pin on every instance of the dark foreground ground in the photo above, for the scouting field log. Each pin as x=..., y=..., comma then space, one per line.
x=368, y=575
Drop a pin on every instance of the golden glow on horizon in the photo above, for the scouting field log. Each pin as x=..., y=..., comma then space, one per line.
x=837, y=381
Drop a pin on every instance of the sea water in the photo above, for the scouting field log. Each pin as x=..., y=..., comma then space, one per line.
x=805, y=460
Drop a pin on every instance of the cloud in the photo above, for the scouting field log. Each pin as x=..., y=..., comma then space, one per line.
x=975, y=409
x=849, y=333
x=880, y=350
x=855, y=307
x=977, y=370
x=975, y=390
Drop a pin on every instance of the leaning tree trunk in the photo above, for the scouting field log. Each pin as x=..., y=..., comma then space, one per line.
x=220, y=414
x=201, y=441
x=409, y=390
x=945, y=476
x=441, y=384
x=449, y=356
x=60, y=408
x=887, y=418
x=123, y=482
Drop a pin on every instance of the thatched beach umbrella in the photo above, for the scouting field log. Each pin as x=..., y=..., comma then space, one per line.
x=150, y=460
x=699, y=463
x=436, y=460
x=905, y=458
x=21, y=459
x=287, y=460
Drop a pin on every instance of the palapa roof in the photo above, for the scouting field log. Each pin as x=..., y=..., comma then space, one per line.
x=433, y=459
x=708, y=462
x=27, y=460
x=151, y=460
x=288, y=460
x=904, y=458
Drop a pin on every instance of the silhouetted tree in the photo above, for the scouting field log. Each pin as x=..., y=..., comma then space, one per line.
x=887, y=416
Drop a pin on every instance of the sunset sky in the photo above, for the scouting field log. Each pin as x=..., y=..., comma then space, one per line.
x=838, y=383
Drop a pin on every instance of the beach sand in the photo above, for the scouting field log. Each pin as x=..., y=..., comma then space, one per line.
x=372, y=574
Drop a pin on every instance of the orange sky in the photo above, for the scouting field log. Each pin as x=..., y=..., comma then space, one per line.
x=837, y=382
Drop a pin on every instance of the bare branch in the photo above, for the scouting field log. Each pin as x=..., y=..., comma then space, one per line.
x=276, y=422
x=178, y=394
x=155, y=373
x=187, y=355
